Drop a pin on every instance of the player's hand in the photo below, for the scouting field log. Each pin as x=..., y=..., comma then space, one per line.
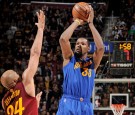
x=41, y=20
x=38, y=97
x=91, y=15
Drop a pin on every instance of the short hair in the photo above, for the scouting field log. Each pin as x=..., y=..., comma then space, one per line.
x=86, y=39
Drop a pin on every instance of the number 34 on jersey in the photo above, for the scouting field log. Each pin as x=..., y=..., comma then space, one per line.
x=17, y=110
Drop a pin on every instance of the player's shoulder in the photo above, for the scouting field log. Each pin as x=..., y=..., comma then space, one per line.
x=4, y=97
x=2, y=102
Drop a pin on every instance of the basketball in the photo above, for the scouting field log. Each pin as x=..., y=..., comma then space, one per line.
x=81, y=10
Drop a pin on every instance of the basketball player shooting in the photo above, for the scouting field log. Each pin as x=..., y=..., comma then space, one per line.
x=79, y=70
x=20, y=98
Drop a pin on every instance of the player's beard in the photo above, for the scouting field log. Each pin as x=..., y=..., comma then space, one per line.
x=78, y=54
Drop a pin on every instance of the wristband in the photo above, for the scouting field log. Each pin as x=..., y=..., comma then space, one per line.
x=78, y=22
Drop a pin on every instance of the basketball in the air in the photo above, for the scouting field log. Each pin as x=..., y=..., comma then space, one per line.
x=81, y=10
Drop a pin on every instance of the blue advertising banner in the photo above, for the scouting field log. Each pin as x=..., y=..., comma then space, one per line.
x=107, y=45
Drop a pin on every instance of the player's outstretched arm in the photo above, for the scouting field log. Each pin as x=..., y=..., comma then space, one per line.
x=98, y=54
x=34, y=56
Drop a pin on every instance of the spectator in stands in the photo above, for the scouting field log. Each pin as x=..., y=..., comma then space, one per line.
x=53, y=97
x=105, y=100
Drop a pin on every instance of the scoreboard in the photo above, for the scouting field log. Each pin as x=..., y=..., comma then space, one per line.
x=121, y=60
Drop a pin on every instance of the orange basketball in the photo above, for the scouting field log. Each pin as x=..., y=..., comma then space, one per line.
x=81, y=10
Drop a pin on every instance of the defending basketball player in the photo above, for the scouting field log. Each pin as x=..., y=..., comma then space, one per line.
x=20, y=98
x=79, y=70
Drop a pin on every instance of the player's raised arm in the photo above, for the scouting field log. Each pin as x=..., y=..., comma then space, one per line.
x=64, y=40
x=65, y=37
x=34, y=56
x=98, y=54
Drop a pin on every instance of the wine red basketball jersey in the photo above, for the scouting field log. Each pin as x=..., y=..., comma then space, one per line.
x=18, y=102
